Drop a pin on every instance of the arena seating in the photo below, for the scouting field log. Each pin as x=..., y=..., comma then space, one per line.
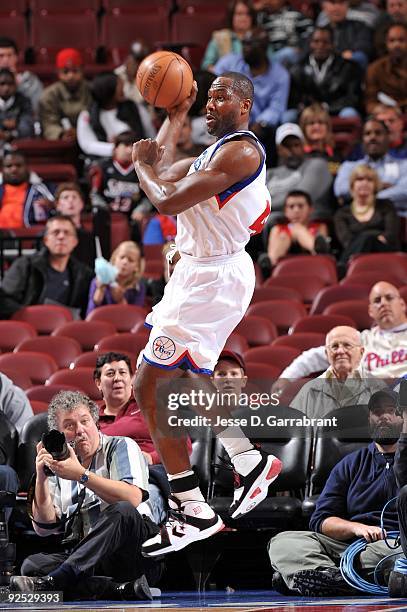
x=356, y=309
x=87, y=333
x=38, y=366
x=283, y=313
x=123, y=316
x=301, y=341
x=14, y=332
x=44, y=317
x=337, y=293
x=62, y=350
x=269, y=292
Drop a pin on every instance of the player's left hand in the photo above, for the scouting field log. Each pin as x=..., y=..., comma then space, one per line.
x=147, y=151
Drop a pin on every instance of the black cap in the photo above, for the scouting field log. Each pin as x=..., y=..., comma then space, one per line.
x=381, y=397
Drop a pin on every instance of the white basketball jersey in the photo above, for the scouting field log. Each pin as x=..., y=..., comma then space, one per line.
x=224, y=223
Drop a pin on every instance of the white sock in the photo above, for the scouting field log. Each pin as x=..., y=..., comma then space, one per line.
x=234, y=441
x=193, y=493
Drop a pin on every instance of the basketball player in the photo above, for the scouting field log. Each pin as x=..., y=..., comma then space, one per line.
x=221, y=200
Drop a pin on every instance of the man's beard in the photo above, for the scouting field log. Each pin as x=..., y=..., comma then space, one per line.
x=386, y=434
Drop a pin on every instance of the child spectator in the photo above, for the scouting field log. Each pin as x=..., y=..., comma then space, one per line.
x=126, y=287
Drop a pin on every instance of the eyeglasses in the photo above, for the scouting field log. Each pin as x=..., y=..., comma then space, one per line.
x=346, y=346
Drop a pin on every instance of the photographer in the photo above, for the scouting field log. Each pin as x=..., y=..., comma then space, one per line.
x=102, y=484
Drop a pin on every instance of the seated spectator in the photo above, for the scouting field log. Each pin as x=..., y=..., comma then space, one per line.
x=126, y=288
x=61, y=102
x=324, y=76
x=388, y=74
x=186, y=147
x=24, y=199
x=155, y=287
x=119, y=415
x=28, y=83
x=316, y=125
x=350, y=506
x=14, y=404
x=392, y=117
x=392, y=172
x=385, y=345
x=51, y=276
x=16, y=114
x=69, y=201
x=359, y=10
x=288, y=30
x=395, y=12
x=352, y=39
x=102, y=558
x=271, y=83
x=127, y=72
x=367, y=225
x=109, y=115
x=297, y=172
x=241, y=18
x=344, y=383
x=298, y=234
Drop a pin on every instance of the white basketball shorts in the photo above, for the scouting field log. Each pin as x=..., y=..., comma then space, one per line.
x=203, y=302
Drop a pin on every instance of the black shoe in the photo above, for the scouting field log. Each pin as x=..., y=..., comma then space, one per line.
x=321, y=245
x=133, y=590
x=32, y=584
x=397, y=584
x=265, y=265
x=278, y=584
x=321, y=583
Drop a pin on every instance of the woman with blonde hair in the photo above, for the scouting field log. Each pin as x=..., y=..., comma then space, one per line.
x=367, y=225
x=316, y=125
x=120, y=282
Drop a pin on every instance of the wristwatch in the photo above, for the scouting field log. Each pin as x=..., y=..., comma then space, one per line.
x=85, y=477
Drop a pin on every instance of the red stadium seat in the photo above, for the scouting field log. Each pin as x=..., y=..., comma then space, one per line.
x=301, y=341
x=38, y=406
x=15, y=27
x=123, y=316
x=119, y=229
x=132, y=343
x=337, y=293
x=45, y=393
x=356, y=309
x=283, y=313
x=43, y=317
x=20, y=379
x=41, y=151
x=154, y=269
x=278, y=356
x=321, y=323
x=370, y=278
x=130, y=6
x=56, y=173
x=14, y=332
x=38, y=366
x=396, y=263
x=323, y=266
x=88, y=359
x=403, y=293
x=87, y=333
x=52, y=32
x=237, y=343
x=63, y=350
x=79, y=378
x=306, y=285
x=262, y=371
x=266, y=293
x=73, y=6
x=258, y=331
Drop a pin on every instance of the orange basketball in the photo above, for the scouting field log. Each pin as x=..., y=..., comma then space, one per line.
x=164, y=79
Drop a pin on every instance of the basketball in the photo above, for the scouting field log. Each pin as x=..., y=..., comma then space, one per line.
x=164, y=79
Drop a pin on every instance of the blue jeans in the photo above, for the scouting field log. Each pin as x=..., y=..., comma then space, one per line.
x=8, y=482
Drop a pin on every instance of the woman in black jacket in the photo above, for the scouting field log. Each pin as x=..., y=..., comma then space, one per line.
x=367, y=225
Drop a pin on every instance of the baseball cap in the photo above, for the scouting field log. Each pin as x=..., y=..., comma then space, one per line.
x=288, y=129
x=384, y=396
x=233, y=356
x=68, y=57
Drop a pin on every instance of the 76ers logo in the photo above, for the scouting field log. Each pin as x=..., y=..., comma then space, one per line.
x=163, y=348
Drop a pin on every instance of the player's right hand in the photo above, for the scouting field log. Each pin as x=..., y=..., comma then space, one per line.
x=186, y=104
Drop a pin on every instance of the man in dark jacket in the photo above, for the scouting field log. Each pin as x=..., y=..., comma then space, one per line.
x=324, y=76
x=51, y=276
x=349, y=507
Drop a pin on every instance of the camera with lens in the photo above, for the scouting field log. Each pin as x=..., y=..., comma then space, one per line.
x=7, y=548
x=55, y=443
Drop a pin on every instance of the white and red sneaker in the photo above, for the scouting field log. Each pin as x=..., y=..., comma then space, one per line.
x=188, y=522
x=254, y=471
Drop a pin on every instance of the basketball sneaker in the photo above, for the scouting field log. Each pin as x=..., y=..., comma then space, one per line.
x=254, y=471
x=189, y=521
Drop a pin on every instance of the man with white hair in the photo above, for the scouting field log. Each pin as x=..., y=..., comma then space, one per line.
x=385, y=345
x=344, y=382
